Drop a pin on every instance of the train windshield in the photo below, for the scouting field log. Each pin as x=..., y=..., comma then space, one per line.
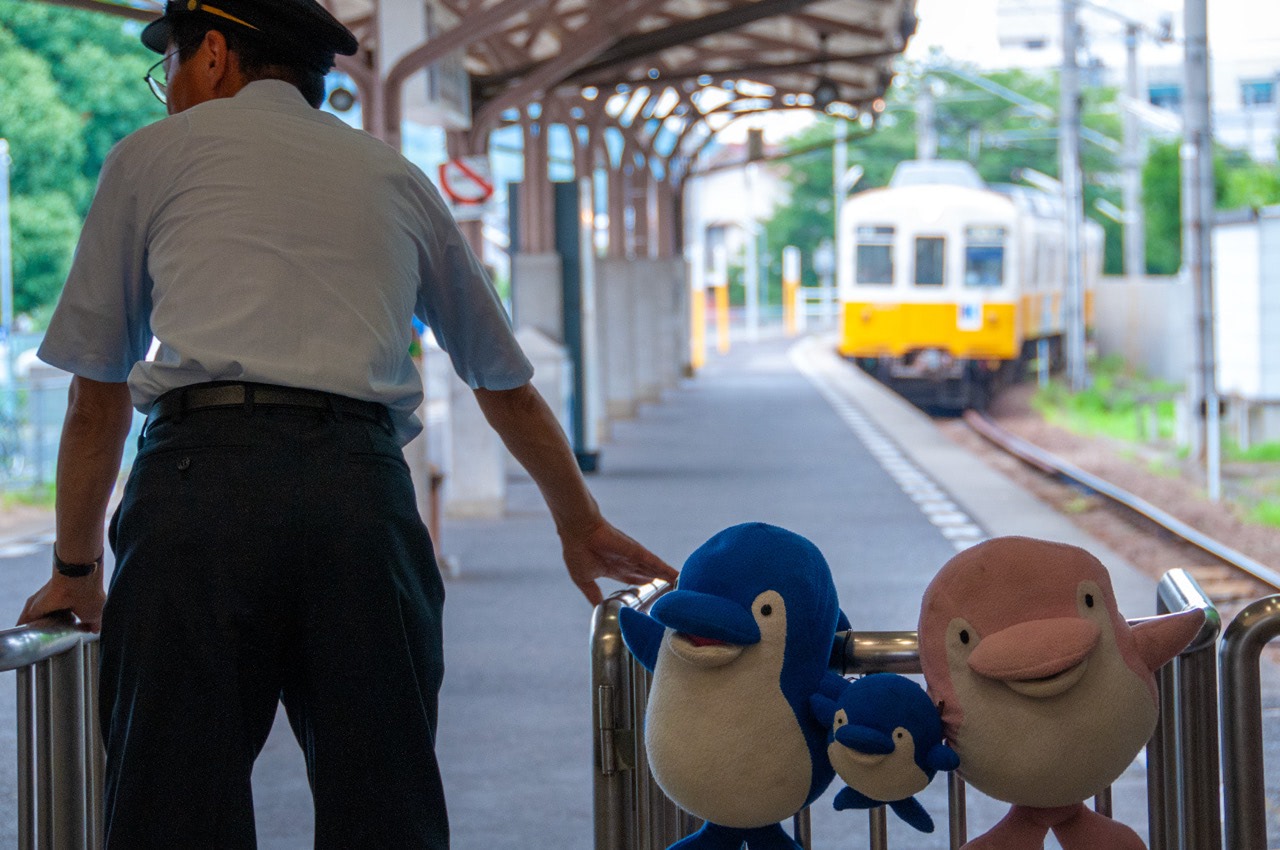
x=875, y=255
x=984, y=256
x=930, y=251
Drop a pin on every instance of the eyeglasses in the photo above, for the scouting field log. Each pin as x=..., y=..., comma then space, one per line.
x=159, y=85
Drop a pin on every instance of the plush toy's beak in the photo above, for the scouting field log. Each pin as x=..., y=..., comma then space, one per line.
x=703, y=615
x=864, y=739
x=1037, y=649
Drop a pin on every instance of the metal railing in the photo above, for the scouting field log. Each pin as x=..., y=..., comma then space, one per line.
x=632, y=813
x=1244, y=788
x=60, y=757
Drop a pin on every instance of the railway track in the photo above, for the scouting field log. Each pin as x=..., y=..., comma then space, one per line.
x=1230, y=578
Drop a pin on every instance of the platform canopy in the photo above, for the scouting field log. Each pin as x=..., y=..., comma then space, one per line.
x=666, y=73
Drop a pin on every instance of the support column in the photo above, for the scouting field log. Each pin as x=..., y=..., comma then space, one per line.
x=646, y=293
x=616, y=317
x=537, y=298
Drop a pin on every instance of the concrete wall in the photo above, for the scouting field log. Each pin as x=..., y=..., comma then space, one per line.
x=1235, y=254
x=1149, y=322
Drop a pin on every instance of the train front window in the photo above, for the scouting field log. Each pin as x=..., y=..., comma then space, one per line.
x=984, y=256
x=875, y=255
x=930, y=254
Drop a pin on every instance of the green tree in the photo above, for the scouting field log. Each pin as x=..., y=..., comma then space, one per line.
x=44, y=225
x=1238, y=182
x=70, y=88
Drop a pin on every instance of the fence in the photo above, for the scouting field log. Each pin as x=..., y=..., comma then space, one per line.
x=632, y=813
x=31, y=413
x=60, y=760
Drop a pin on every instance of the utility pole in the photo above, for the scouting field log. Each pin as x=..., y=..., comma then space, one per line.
x=1072, y=192
x=1197, y=237
x=926, y=122
x=1135, y=239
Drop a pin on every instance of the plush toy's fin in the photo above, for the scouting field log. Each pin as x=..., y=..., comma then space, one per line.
x=824, y=710
x=1160, y=639
x=1019, y=828
x=1089, y=830
x=942, y=757
x=913, y=813
x=842, y=623
x=715, y=837
x=711, y=837
x=864, y=739
x=771, y=838
x=847, y=798
x=642, y=634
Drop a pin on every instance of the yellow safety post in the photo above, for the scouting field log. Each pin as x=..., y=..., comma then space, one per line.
x=722, y=318
x=790, y=286
x=698, y=335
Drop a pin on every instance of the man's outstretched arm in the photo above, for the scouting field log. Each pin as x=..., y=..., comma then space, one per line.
x=593, y=548
x=98, y=419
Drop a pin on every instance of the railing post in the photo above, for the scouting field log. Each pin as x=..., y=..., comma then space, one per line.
x=26, y=758
x=66, y=769
x=1191, y=813
x=1244, y=790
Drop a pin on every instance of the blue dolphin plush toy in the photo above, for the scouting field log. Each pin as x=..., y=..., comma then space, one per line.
x=885, y=743
x=737, y=650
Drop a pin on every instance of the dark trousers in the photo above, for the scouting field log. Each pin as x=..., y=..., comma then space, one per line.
x=271, y=555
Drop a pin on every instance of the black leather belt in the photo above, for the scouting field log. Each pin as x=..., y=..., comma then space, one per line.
x=176, y=403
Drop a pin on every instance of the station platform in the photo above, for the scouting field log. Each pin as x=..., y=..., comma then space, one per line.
x=777, y=431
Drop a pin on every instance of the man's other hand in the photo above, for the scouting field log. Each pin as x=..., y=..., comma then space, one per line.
x=602, y=551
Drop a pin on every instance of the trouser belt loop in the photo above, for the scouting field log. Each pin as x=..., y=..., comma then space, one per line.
x=334, y=414
x=248, y=399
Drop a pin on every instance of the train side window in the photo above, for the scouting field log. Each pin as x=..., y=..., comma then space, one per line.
x=931, y=252
x=984, y=256
x=875, y=255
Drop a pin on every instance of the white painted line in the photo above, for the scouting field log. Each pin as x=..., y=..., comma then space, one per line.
x=934, y=503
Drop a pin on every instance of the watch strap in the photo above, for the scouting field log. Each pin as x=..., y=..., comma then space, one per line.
x=74, y=570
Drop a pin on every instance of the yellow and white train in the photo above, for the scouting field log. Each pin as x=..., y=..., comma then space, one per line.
x=947, y=286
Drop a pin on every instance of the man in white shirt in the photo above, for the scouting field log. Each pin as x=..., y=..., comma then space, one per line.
x=268, y=546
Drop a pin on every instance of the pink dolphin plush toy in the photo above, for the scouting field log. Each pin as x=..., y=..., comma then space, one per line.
x=1046, y=693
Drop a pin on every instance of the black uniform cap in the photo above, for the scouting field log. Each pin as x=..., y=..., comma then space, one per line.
x=299, y=28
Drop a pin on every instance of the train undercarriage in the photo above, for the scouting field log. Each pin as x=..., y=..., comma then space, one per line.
x=935, y=380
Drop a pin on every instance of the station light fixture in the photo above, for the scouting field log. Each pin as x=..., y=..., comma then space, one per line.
x=342, y=99
x=825, y=93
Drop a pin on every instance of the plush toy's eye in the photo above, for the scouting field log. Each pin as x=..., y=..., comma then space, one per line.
x=900, y=735
x=964, y=636
x=1088, y=600
x=839, y=721
x=766, y=610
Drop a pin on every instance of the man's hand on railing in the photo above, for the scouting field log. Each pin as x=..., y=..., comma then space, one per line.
x=83, y=597
x=603, y=551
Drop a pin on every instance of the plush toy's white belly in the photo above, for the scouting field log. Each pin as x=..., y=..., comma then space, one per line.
x=723, y=743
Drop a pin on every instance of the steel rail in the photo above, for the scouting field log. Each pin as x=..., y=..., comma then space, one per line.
x=1053, y=465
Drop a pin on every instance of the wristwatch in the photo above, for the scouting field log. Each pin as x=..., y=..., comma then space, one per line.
x=74, y=570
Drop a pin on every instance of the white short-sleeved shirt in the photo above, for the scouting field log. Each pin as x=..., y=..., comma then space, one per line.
x=259, y=239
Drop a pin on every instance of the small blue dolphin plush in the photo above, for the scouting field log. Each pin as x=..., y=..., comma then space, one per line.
x=737, y=650
x=885, y=743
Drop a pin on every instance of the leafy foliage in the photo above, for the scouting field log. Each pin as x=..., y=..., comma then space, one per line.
x=70, y=88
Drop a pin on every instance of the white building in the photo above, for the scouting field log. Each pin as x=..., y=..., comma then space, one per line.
x=1244, y=47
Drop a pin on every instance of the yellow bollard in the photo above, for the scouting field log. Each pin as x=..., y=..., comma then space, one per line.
x=722, y=318
x=698, y=340
x=790, y=283
x=789, y=307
